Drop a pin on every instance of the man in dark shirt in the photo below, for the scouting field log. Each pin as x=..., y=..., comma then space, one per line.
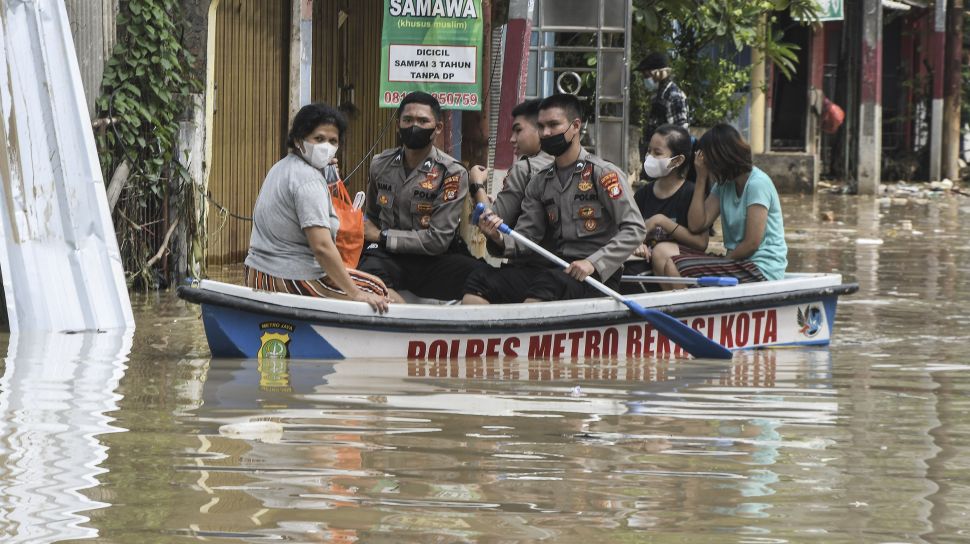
x=669, y=104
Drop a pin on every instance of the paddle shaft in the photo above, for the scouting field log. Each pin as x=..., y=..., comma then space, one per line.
x=689, y=339
x=707, y=281
x=596, y=284
x=692, y=341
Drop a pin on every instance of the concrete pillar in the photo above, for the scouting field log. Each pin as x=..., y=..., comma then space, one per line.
x=757, y=135
x=769, y=103
x=301, y=54
x=515, y=70
x=951, y=91
x=938, y=60
x=868, y=164
x=816, y=77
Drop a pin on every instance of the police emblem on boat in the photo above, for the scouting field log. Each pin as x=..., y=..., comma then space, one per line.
x=274, y=345
x=810, y=320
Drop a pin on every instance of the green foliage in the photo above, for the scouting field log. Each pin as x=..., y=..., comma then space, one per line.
x=145, y=90
x=716, y=83
x=703, y=36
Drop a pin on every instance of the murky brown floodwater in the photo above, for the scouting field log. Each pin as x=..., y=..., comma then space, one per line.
x=145, y=439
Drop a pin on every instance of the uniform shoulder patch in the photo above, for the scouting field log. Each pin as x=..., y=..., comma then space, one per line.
x=611, y=184
x=445, y=159
x=393, y=153
x=449, y=187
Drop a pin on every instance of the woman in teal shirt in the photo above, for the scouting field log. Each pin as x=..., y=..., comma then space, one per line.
x=746, y=200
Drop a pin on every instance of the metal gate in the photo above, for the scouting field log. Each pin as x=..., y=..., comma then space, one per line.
x=249, y=116
x=582, y=47
x=347, y=74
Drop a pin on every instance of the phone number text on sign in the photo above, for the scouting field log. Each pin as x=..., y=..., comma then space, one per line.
x=432, y=63
x=393, y=98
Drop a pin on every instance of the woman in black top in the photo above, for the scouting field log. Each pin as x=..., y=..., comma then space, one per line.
x=665, y=201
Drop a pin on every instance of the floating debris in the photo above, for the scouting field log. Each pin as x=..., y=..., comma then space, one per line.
x=262, y=431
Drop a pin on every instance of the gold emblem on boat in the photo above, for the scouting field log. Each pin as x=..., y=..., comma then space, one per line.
x=274, y=346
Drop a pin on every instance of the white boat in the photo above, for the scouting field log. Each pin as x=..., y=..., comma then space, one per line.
x=241, y=322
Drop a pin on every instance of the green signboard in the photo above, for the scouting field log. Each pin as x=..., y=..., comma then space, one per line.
x=433, y=46
x=831, y=10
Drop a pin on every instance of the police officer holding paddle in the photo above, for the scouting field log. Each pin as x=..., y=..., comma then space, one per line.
x=580, y=205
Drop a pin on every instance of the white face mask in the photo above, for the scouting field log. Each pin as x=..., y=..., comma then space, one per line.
x=657, y=168
x=318, y=155
x=650, y=84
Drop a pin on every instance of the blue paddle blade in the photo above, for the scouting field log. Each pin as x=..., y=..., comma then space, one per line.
x=477, y=214
x=715, y=281
x=692, y=341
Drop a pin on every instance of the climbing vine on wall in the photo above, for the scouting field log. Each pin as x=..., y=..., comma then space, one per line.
x=146, y=89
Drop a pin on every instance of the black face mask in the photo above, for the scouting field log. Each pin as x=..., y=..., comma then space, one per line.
x=555, y=145
x=415, y=137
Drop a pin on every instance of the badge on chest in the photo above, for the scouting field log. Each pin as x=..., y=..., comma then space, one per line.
x=429, y=181
x=585, y=185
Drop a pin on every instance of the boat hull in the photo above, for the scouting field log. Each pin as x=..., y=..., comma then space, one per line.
x=241, y=326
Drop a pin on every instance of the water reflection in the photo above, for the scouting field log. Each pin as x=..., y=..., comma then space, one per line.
x=55, y=394
x=345, y=451
x=867, y=441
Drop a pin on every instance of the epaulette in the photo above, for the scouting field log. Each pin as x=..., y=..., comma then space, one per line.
x=446, y=160
x=547, y=170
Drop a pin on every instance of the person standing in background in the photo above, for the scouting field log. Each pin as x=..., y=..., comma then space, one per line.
x=669, y=104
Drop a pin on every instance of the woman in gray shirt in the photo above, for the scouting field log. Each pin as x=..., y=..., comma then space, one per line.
x=292, y=249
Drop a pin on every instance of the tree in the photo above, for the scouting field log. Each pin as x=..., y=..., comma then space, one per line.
x=704, y=39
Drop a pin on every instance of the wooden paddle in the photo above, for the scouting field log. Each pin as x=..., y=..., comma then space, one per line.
x=687, y=338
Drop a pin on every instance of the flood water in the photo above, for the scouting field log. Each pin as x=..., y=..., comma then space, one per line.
x=143, y=438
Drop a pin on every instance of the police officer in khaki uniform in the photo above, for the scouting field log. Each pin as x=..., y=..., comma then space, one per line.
x=415, y=196
x=580, y=207
x=525, y=146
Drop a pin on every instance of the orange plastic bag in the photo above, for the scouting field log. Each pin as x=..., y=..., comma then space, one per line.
x=350, y=236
